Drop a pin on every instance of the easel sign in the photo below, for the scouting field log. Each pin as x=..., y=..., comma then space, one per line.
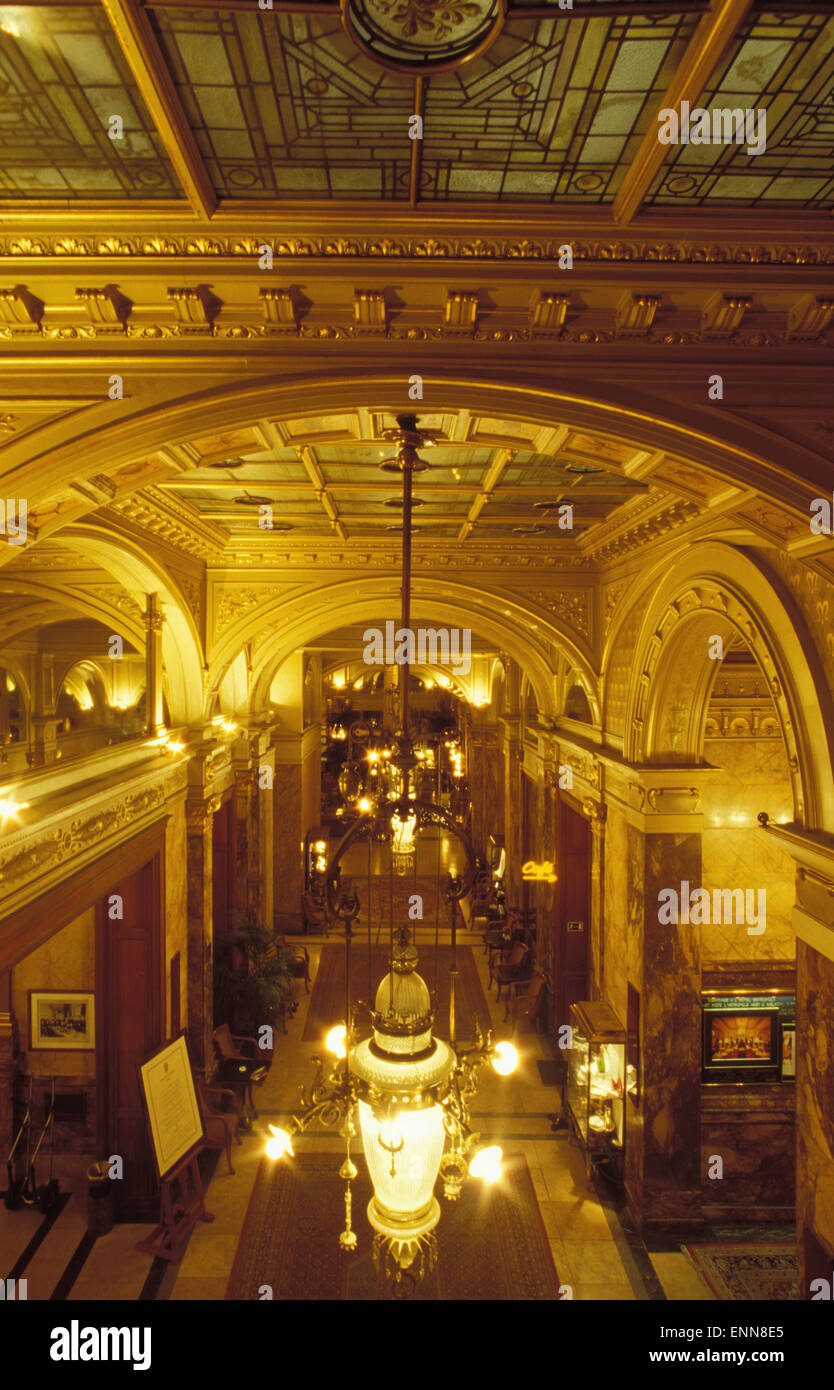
x=176, y=1130
x=174, y=1119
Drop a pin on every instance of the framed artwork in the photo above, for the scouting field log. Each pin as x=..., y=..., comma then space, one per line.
x=740, y=1038
x=61, y=1021
x=787, y=1052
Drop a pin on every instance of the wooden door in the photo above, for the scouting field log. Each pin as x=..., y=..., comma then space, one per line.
x=130, y=1022
x=571, y=927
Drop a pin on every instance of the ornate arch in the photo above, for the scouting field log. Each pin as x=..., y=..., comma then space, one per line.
x=717, y=589
x=140, y=574
x=306, y=616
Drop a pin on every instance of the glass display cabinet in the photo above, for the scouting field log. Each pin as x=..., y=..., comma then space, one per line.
x=597, y=1082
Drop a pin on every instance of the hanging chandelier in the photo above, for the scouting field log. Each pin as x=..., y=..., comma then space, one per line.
x=405, y=1090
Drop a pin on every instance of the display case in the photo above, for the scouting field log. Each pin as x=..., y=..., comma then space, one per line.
x=597, y=1082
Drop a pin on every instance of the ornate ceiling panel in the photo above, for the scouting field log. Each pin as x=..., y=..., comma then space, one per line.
x=783, y=65
x=552, y=111
x=63, y=77
x=285, y=105
x=330, y=479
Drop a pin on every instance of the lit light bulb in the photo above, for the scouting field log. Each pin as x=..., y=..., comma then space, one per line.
x=279, y=1144
x=335, y=1040
x=364, y=804
x=505, y=1060
x=9, y=808
x=487, y=1164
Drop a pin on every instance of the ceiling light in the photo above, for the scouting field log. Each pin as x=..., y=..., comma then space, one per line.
x=529, y=530
x=398, y=502
x=230, y=463
x=583, y=468
x=248, y=501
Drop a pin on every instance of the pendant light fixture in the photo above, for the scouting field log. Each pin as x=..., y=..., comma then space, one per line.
x=404, y=1090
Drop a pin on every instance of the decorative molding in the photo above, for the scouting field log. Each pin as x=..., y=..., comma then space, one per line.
x=570, y=605
x=654, y=528
x=233, y=600
x=35, y=852
x=677, y=251
x=722, y=314
x=198, y=814
x=611, y=595
x=169, y=520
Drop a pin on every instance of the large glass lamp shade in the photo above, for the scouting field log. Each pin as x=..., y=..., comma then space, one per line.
x=402, y=1069
x=403, y=1156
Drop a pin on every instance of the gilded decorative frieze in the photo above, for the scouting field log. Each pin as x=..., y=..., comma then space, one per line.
x=233, y=600
x=43, y=851
x=675, y=252
x=570, y=606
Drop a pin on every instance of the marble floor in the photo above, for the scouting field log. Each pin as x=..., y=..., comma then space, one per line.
x=594, y=1252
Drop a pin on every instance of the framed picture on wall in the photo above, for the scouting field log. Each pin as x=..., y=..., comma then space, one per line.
x=61, y=1021
x=787, y=1052
x=740, y=1038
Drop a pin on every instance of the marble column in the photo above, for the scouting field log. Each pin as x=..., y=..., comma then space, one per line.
x=247, y=893
x=199, y=825
x=43, y=723
x=288, y=832
x=814, y=1109
x=486, y=782
x=662, y=1157
x=596, y=813
x=154, y=619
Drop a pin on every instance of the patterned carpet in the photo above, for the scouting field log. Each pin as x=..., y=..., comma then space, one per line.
x=747, y=1272
x=327, y=1003
x=491, y=1242
x=383, y=888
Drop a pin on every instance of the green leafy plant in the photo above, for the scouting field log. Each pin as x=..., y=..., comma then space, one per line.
x=253, y=983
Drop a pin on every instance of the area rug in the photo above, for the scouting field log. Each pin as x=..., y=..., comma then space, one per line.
x=327, y=1002
x=747, y=1272
x=385, y=889
x=492, y=1244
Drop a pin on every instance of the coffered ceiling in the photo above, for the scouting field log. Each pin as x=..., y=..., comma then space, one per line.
x=230, y=103
x=486, y=479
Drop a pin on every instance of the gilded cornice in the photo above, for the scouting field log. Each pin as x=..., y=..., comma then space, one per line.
x=639, y=531
x=36, y=857
x=191, y=246
x=171, y=521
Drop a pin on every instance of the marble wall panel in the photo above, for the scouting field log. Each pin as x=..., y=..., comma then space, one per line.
x=754, y=777
x=66, y=961
x=670, y=1042
x=814, y=1101
x=288, y=880
x=752, y=1130
x=619, y=865
x=200, y=1013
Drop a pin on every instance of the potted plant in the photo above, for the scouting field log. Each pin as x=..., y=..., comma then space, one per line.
x=253, y=979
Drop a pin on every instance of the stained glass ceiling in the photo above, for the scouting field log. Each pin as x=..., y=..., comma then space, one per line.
x=283, y=106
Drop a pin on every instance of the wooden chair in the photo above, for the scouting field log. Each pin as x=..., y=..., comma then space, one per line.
x=512, y=969
x=526, y=1003
x=314, y=914
x=243, y=1065
x=220, y=1109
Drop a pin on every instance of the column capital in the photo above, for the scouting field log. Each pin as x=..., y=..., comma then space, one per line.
x=198, y=814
